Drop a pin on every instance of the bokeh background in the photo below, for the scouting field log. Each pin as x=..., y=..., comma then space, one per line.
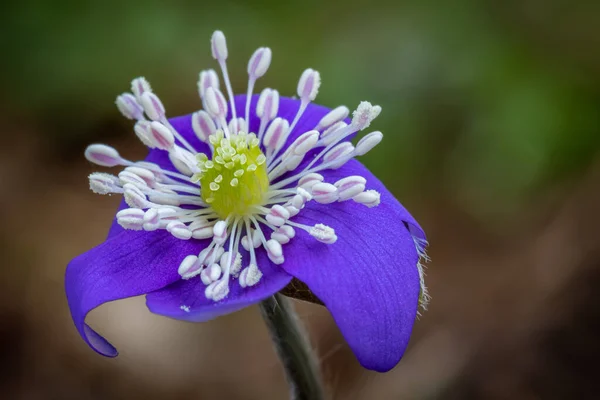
x=492, y=124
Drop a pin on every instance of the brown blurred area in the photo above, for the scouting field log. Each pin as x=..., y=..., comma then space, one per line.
x=492, y=124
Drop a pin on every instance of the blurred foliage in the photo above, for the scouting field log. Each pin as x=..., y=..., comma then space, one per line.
x=488, y=103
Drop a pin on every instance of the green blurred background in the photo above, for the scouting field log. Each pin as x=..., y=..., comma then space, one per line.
x=492, y=139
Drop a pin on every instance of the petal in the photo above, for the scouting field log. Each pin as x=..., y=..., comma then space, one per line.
x=368, y=279
x=170, y=301
x=129, y=264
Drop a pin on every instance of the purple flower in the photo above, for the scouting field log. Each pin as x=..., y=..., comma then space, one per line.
x=216, y=219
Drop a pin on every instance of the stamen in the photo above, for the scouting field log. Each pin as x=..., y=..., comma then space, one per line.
x=131, y=218
x=207, y=78
x=146, y=175
x=276, y=135
x=362, y=118
x=367, y=143
x=211, y=274
x=255, y=239
x=134, y=197
x=184, y=161
x=101, y=183
x=302, y=145
x=129, y=107
x=237, y=125
x=220, y=232
x=156, y=112
x=274, y=251
x=278, y=215
x=217, y=107
x=129, y=177
x=141, y=129
x=201, y=229
x=160, y=136
x=257, y=67
x=139, y=86
x=103, y=155
x=364, y=114
x=219, y=46
x=162, y=174
x=324, y=193
x=309, y=84
x=259, y=62
x=190, y=267
x=211, y=254
x=300, y=199
x=331, y=134
x=217, y=290
x=179, y=230
x=152, y=105
x=219, y=52
x=369, y=198
x=308, y=87
x=292, y=210
x=283, y=234
x=273, y=247
x=165, y=216
x=236, y=264
x=152, y=220
x=250, y=276
x=350, y=186
x=323, y=233
x=173, y=199
x=332, y=117
x=309, y=180
x=266, y=109
x=337, y=156
x=203, y=125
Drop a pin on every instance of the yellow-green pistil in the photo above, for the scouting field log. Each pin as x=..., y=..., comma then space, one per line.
x=236, y=178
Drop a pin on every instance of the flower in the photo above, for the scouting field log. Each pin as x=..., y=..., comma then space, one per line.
x=216, y=219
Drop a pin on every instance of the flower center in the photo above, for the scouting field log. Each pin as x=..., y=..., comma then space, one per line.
x=236, y=179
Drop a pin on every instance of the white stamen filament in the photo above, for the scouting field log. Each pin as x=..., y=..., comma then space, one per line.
x=257, y=67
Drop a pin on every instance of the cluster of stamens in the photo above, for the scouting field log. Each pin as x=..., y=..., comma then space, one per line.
x=250, y=188
x=235, y=180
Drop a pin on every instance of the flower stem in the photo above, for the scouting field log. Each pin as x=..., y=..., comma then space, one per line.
x=294, y=350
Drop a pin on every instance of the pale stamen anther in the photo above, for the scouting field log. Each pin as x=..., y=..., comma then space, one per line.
x=257, y=67
x=131, y=218
x=369, y=198
x=103, y=155
x=139, y=86
x=129, y=107
x=333, y=116
x=367, y=143
x=190, y=267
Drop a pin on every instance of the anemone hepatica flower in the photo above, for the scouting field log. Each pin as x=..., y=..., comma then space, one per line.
x=236, y=200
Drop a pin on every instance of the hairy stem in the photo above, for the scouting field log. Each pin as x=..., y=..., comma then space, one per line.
x=294, y=350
